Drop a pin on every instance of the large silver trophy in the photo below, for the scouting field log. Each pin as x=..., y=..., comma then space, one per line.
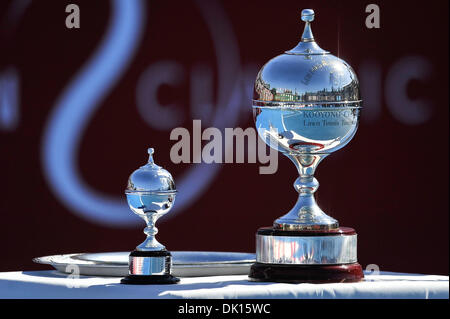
x=150, y=194
x=306, y=105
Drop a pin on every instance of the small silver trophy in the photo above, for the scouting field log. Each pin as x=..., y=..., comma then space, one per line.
x=306, y=105
x=150, y=194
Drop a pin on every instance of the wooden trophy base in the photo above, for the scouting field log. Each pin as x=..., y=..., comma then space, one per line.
x=306, y=273
x=150, y=268
x=302, y=257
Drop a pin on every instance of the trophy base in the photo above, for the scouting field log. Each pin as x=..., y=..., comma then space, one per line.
x=149, y=280
x=316, y=256
x=317, y=274
x=150, y=268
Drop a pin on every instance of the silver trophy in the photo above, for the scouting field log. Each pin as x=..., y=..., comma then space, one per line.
x=306, y=105
x=150, y=194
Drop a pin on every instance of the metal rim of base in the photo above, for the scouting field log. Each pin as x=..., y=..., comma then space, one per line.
x=306, y=250
x=301, y=227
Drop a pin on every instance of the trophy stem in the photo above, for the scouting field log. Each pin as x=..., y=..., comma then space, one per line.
x=306, y=214
x=150, y=243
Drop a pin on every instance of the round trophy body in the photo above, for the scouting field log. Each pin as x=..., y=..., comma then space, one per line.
x=150, y=194
x=306, y=105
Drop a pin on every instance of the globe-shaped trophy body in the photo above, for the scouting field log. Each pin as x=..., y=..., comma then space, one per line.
x=306, y=105
x=150, y=190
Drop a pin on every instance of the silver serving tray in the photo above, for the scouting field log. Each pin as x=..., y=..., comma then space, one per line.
x=184, y=263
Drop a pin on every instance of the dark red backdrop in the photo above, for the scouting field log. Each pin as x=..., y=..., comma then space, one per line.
x=390, y=182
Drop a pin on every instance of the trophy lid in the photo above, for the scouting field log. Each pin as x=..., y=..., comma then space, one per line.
x=150, y=178
x=306, y=75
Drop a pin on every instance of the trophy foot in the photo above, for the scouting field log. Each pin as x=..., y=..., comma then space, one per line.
x=150, y=268
x=306, y=273
x=312, y=256
x=149, y=280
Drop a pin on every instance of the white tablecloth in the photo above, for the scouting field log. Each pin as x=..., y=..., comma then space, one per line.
x=52, y=284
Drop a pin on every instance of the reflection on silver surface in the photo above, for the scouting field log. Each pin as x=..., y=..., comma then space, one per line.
x=150, y=266
x=306, y=105
x=306, y=250
x=150, y=194
x=150, y=178
x=301, y=79
x=306, y=130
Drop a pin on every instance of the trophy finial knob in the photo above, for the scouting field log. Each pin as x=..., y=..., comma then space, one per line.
x=150, y=152
x=308, y=15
